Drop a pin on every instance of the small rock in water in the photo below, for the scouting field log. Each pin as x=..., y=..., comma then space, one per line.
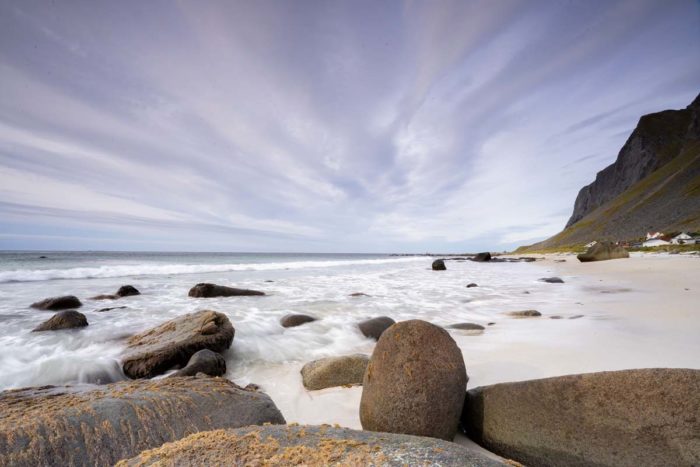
x=102, y=310
x=58, y=303
x=552, y=280
x=439, y=265
x=293, y=320
x=374, y=327
x=359, y=294
x=467, y=327
x=555, y=317
x=66, y=319
x=204, y=361
x=127, y=291
x=205, y=290
x=524, y=314
x=576, y=317
x=334, y=371
x=414, y=383
x=490, y=324
x=43, y=257
x=469, y=286
x=482, y=257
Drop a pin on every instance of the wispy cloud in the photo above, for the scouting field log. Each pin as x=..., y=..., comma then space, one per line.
x=322, y=126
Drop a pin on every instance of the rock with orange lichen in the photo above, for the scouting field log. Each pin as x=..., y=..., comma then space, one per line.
x=98, y=425
x=415, y=382
x=173, y=343
x=309, y=446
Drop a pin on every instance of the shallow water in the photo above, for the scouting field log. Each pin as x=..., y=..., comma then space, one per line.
x=320, y=285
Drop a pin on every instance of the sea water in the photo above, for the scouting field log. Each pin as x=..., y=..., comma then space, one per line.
x=321, y=285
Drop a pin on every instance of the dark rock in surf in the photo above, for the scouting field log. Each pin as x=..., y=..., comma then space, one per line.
x=482, y=257
x=173, y=343
x=294, y=320
x=204, y=361
x=204, y=290
x=102, y=310
x=359, y=294
x=374, y=327
x=439, y=265
x=414, y=383
x=79, y=425
x=58, y=303
x=67, y=319
x=469, y=286
x=104, y=297
x=552, y=280
x=524, y=314
x=127, y=291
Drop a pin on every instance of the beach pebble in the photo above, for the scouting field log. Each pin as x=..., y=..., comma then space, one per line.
x=173, y=343
x=439, y=265
x=334, y=371
x=66, y=319
x=205, y=290
x=415, y=382
x=293, y=320
x=374, y=327
x=58, y=303
x=204, y=361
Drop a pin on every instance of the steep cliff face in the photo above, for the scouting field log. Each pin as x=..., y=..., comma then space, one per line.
x=654, y=185
x=657, y=139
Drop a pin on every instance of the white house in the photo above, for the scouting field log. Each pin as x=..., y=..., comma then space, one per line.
x=651, y=236
x=682, y=238
x=654, y=242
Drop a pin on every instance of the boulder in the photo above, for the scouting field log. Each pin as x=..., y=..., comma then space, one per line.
x=204, y=361
x=602, y=251
x=615, y=418
x=481, y=257
x=414, y=383
x=469, y=286
x=173, y=343
x=66, y=319
x=374, y=327
x=278, y=445
x=58, y=303
x=467, y=327
x=439, y=265
x=293, y=320
x=204, y=290
x=552, y=280
x=524, y=314
x=99, y=425
x=334, y=371
x=127, y=291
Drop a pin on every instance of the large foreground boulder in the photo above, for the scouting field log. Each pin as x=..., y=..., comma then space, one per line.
x=173, y=343
x=58, y=303
x=602, y=251
x=647, y=417
x=311, y=446
x=334, y=371
x=205, y=361
x=439, y=265
x=205, y=290
x=374, y=327
x=415, y=382
x=66, y=319
x=99, y=425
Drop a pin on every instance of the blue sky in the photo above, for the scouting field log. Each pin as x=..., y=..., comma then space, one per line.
x=322, y=126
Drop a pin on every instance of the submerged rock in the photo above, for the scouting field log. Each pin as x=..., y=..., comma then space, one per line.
x=204, y=290
x=481, y=257
x=173, y=343
x=616, y=418
x=374, y=327
x=310, y=446
x=602, y=251
x=359, y=294
x=58, y=303
x=439, y=265
x=204, y=361
x=524, y=314
x=414, y=383
x=66, y=319
x=88, y=425
x=110, y=308
x=334, y=371
x=104, y=297
x=294, y=320
x=467, y=327
x=552, y=280
x=469, y=286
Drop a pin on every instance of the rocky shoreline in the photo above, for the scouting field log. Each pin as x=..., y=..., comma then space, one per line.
x=414, y=399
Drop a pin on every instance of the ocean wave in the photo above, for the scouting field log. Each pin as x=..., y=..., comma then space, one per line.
x=33, y=275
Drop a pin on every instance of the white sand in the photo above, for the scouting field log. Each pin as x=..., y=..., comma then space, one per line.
x=638, y=312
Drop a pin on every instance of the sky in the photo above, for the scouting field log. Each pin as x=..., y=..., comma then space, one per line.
x=322, y=126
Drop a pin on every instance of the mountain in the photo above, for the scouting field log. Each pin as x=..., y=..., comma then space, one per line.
x=654, y=185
